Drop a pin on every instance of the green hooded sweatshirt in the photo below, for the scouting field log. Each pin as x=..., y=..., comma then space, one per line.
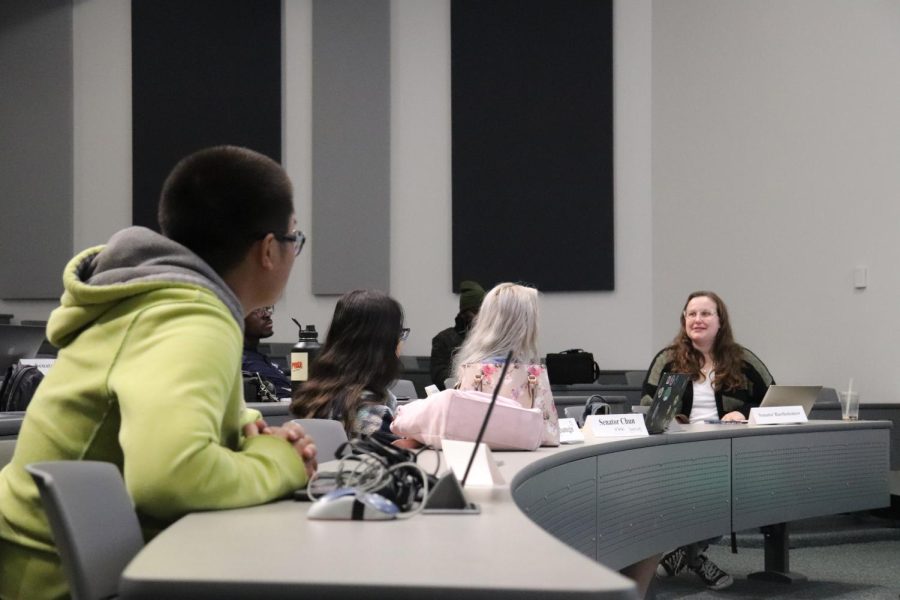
x=147, y=378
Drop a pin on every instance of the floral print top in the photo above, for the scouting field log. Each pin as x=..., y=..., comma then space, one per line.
x=527, y=384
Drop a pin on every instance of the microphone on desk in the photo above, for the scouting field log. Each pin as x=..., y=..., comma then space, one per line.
x=448, y=494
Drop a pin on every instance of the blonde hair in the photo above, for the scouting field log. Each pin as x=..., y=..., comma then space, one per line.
x=507, y=321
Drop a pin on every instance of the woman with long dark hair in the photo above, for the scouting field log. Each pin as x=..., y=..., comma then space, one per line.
x=727, y=381
x=357, y=364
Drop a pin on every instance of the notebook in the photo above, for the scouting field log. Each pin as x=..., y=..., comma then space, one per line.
x=18, y=342
x=668, y=395
x=792, y=395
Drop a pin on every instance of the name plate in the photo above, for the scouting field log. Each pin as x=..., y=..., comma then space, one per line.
x=777, y=415
x=43, y=364
x=485, y=471
x=624, y=425
x=569, y=433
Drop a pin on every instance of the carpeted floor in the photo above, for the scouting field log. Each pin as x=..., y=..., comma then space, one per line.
x=843, y=557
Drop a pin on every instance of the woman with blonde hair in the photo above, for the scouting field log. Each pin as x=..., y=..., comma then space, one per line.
x=507, y=322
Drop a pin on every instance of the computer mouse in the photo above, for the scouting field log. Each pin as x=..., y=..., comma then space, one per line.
x=347, y=504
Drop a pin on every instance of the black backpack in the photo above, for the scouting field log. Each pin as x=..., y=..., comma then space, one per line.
x=18, y=387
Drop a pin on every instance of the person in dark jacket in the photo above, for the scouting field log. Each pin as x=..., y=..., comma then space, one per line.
x=444, y=344
x=257, y=326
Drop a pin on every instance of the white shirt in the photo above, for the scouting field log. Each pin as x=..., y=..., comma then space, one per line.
x=704, y=406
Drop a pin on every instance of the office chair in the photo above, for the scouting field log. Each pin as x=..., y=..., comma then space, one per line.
x=93, y=523
x=577, y=413
x=404, y=388
x=7, y=449
x=450, y=383
x=635, y=378
x=327, y=434
x=827, y=395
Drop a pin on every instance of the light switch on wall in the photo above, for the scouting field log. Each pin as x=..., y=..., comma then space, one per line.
x=860, y=278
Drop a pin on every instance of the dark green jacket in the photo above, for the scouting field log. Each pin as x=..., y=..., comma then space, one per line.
x=443, y=345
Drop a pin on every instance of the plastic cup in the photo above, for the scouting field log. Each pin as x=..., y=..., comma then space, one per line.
x=850, y=406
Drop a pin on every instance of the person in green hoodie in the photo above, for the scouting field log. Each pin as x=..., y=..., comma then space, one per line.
x=148, y=376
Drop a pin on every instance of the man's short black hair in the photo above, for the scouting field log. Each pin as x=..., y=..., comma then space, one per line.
x=217, y=201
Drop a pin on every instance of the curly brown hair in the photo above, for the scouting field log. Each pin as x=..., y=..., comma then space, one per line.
x=727, y=354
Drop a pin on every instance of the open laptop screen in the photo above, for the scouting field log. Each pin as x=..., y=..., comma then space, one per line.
x=792, y=395
x=18, y=342
x=662, y=410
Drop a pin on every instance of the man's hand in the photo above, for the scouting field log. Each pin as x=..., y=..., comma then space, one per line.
x=294, y=435
x=255, y=428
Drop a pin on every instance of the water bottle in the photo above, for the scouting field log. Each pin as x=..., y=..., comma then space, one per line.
x=303, y=355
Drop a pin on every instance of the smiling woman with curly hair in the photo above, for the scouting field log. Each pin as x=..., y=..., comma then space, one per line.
x=727, y=381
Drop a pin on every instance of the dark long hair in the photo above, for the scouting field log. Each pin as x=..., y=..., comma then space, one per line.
x=727, y=354
x=360, y=354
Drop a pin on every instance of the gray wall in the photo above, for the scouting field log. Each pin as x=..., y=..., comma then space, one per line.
x=776, y=145
x=756, y=152
x=35, y=146
x=351, y=141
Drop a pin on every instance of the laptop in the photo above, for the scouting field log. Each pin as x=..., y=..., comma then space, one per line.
x=18, y=342
x=668, y=395
x=792, y=395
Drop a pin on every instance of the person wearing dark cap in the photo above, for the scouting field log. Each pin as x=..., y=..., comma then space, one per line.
x=444, y=344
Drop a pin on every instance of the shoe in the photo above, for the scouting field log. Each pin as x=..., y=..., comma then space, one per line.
x=714, y=577
x=673, y=563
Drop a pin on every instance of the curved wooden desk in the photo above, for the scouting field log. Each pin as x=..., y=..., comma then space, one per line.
x=610, y=502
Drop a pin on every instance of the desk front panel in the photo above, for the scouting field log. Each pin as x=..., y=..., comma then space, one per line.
x=657, y=498
x=621, y=507
x=563, y=501
x=781, y=478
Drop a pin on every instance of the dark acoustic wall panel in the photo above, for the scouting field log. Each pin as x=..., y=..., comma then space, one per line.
x=351, y=149
x=204, y=72
x=533, y=143
x=36, y=146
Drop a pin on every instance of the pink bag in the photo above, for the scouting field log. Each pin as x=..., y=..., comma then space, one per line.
x=457, y=415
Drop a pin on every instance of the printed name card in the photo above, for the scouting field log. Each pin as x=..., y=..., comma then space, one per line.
x=43, y=364
x=777, y=415
x=569, y=433
x=624, y=425
x=485, y=471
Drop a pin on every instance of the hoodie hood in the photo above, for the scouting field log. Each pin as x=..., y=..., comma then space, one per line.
x=135, y=261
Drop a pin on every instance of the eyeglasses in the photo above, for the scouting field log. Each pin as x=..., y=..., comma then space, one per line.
x=404, y=334
x=295, y=237
x=265, y=311
x=701, y=314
